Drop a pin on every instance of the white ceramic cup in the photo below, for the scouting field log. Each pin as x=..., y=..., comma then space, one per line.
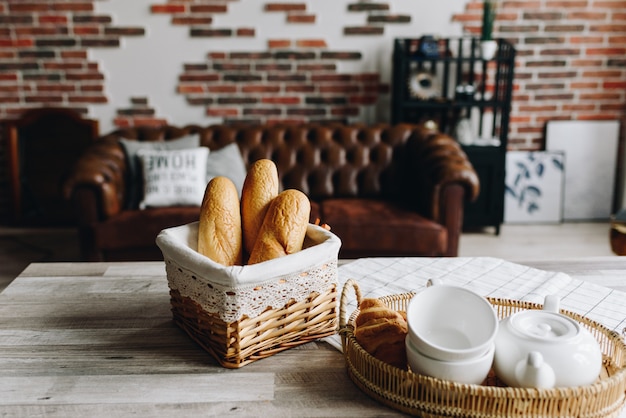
x=451, y=323
x=472, y=371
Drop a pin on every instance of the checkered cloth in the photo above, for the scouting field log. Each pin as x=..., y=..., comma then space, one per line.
x=487, y=276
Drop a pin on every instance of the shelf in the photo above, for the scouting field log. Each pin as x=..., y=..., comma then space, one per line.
x=441, y=84
x=462, y=49
x=452, y=59
x=454, y=104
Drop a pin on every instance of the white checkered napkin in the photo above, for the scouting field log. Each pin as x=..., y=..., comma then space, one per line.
x=487, y=276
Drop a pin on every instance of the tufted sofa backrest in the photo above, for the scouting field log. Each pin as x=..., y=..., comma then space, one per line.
x=320, y=160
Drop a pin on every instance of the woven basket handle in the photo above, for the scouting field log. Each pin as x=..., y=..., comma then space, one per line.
x=343, y=303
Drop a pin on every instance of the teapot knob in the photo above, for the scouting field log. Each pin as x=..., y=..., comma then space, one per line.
x=552, y=303
x=534, y=372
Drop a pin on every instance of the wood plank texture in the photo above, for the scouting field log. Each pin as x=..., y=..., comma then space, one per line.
x=146, y=388
x=98, y=340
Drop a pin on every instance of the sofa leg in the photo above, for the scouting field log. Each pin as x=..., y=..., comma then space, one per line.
x=451, y=206
x=88, y=251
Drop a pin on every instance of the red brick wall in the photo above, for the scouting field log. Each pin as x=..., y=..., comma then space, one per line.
x=43, y=62
x=43, y=54
x=571, y=61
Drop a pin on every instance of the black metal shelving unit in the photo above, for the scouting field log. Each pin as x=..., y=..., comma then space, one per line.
x=449, y=83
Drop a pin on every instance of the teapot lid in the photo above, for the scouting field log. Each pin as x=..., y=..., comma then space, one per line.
x=544, y=326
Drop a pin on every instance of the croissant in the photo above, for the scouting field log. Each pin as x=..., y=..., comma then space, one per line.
x=381, y=331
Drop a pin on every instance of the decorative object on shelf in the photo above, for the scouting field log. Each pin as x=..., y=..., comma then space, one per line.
x=422, y=85
x=464, y=92
x=428, y=47
x=488, y=49
x=432, y=125
x=463, y=132
x=488, y=46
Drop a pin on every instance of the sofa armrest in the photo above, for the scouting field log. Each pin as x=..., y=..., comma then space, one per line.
x=99, y=177
x=439, y=161
x=445, y=180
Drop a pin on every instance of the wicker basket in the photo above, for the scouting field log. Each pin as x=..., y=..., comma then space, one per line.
x=430, y=397
x=240, y=314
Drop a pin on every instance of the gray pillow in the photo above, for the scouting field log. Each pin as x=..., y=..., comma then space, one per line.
x=227, y=162
x=135, y=177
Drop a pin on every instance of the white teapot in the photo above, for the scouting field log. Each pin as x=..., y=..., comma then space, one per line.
x=544, y=349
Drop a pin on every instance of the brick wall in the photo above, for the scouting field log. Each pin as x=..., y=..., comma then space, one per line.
x=44, y=54
x=44, y=62
x=571, y=61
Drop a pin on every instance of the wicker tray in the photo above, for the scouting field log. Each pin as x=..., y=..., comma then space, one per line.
x=240, y=314
x=430, y=397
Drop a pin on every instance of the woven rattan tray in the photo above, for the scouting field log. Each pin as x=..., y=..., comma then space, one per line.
x=430, y=397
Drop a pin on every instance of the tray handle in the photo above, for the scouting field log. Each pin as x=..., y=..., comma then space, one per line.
x=343, y=303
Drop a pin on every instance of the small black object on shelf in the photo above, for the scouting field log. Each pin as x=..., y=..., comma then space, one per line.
x=428, y=47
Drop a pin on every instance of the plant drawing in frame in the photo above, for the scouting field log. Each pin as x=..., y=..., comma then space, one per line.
x=534, y=186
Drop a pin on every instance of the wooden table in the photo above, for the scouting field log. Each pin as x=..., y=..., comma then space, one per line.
x=97, y=339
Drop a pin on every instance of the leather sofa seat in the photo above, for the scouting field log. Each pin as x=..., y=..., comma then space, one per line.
x=368, y=226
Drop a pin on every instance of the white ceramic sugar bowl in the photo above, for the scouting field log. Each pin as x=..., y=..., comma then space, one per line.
x=544, y=349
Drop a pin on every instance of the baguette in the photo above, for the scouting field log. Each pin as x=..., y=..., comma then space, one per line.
x=381, y=331
x=259, y=188
x=219, y=229
x=283, y=228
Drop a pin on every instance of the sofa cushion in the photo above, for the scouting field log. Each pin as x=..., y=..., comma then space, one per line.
x=227, y=162
x=134, y=228
x=173, y=177
x=382, y=227
x=134, y=168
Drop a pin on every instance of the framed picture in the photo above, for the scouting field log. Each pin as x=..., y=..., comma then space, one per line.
x=591, y=149
x=534, y=187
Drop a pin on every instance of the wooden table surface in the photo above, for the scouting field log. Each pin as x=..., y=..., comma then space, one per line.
x=97, y=339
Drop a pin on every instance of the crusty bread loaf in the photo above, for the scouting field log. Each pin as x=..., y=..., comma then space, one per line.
x=283, y=228
x=259, y=188
x=381, y=331
x=219, y=229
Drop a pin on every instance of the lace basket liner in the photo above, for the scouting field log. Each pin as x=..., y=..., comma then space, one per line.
x=234, y=303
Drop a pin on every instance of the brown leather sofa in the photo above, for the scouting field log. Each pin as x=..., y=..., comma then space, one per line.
x=384, y=190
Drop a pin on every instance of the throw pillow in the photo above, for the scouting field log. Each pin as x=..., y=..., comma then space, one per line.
x=227, y=162
x=173, y=177
x=134, y=168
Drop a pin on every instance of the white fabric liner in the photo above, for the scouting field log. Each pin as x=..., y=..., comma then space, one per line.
x=181, y=243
